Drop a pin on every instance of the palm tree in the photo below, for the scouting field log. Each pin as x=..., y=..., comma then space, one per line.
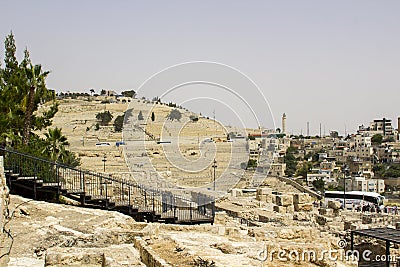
x=35, y=80
x=56, y=143
x=92, y=91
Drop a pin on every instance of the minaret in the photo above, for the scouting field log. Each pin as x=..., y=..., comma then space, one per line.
x=284, y=123
x=398, y=124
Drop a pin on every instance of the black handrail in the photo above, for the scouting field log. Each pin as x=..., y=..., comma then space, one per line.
x=71, y=180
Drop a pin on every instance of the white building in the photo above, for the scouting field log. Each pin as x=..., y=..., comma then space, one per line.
x=365, y=185
x=277, y=169
x=362, y=141
x=384, y=126
x=364, y=152
x=326, y=177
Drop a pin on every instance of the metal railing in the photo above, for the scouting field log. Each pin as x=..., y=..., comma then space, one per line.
x=105, y=191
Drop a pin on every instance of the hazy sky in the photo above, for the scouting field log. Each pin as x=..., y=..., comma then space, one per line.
x=330, y=62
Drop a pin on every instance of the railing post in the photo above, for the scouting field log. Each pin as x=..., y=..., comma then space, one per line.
x=213, y=210
x=84, y=184
x=153, y=203
x=190, y=206
x=106, y=184
x=174, y=211
x=58, y=182
x=34, y=179
x=83, y=195
x=122, y=195
x=129, y=195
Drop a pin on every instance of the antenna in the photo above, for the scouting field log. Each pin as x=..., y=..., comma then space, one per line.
x=215, y=126
x=308, y=128
x=320, y=130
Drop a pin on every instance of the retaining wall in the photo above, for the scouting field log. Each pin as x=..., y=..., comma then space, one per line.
x=299, y=187
x=5, y=240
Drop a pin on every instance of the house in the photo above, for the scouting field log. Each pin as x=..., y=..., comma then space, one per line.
x=361, y=183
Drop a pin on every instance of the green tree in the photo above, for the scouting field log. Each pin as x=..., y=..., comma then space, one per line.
x=377, y=139
x=35, y=81
x=22, y=90
x=91, y=92
x=305, y=168
x=194, y=118
x=175, y=114
x=291, y=161
x=153, y=117
x=130, y=93
x=55, y=144
x=119, y=123
x=389, y=139
x=252, y=163
x=140, y=116
x=387, y=170
x=319, y=184
x=104, y=118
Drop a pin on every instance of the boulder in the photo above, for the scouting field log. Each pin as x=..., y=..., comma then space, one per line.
x=236, y=192
x=284, y=200
x=303, y=207
x=286, y=233
x=279, y=209
x=264, y=198
x=325, y=212
x=335, y=205
x=290, y=209
x=264, y=191
x=302, y=216
x=322, y=220
x=301, y=198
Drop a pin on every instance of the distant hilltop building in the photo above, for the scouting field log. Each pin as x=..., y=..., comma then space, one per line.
x=108, y=93
x=384, y=125
x=378, y=126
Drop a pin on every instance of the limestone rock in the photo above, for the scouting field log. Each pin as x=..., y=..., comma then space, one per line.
x=236, y=192
x=326, y=212
x=303, y=207
x=279, y=209
x=301, y=198
x=264, y=191
x=284, y=200
x=290, y=209
x=302, y=216
x=322, y=220
x=265, y=198
x=335, y=205
x=286, y=233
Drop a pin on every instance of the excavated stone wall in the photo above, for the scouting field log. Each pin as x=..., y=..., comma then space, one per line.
x=5, y=240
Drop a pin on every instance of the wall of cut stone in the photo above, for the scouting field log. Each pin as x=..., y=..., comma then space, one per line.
x=5, y=240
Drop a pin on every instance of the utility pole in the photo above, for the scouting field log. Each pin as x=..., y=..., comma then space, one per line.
x=214, y=167
x=320, y=133
x=104, y=162
x=215, y=129
x=346, y=170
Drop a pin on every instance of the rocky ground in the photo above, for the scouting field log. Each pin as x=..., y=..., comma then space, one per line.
x=250, y=228
x=70, y=236
x=64, y=235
